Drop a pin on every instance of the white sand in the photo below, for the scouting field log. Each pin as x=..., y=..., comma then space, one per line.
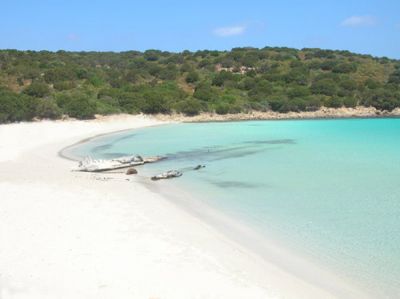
x=66, y=235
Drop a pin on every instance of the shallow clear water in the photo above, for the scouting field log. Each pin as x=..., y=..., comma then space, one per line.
x=327, y=187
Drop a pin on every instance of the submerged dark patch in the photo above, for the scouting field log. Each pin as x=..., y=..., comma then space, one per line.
x=238, y=154
x=125, y=137
x=221, y=153
x=276, y=141
x=234, y=184
x=101, y=148
x=113, y=155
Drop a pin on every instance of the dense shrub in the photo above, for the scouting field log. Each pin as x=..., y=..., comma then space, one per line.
x=64, y=85
x=350, y=102
x=334, y=102
x=192, y=77
x=15, y=107
x=204, y=92
x=222, y=108
x=345, y=68
x=189, y=107
x=153, y=105
x=59, y=74
x=37, y=89
x=48, y=108
x=325, y=86
x=78, y=105
x=395, y=77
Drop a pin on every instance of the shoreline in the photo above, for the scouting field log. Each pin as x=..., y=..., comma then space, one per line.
x=116, y=234
x=268, y=249
x=322, y=113
x=245, y=236
x=61, y=152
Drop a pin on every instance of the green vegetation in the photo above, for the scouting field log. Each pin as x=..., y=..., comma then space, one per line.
x=81, y=84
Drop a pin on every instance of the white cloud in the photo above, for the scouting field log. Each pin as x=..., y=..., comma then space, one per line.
x=229, y=31
x=359, y=21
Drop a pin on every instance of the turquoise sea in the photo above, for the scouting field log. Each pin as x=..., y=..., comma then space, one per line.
x=327, y=188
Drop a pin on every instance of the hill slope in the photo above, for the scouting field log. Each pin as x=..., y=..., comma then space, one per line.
x=80, y=84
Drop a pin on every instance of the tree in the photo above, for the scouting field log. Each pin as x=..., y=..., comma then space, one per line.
x=77, y=104
x=350, y=102
x=152, y=55
x=297, y=104
x=249, y=59
x=48, y=108
x=204, y=92
x=298, y=76
x=95, y=80
x=64, y=85
x=382, y=99
x=222, y=108
x=345, y=68
x=82, y=73
x=169, y=73
x=154, y=69
x=186, y=68
x=189, y=107
x=298, y=92
x=155, y=103
x=372, y=84
x=15, y=107
x=348, y=84
x=192, y=77
x=395, y=77
x=334, y=102
x=130, y=102
x=328, y=65
x=59, y=74
x=221, y=77
x=37, y=89
x=249, y=83
x=325, y=86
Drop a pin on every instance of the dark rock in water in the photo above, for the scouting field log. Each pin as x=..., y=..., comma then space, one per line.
x=131, y=170
x=199, y=167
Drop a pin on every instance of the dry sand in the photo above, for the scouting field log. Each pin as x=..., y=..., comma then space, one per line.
x=68, y=235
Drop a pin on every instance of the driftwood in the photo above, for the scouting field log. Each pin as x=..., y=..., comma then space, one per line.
x=153, y=159
x=175, y=173
x=93, y=165
x=128, y=159
x=167, y=175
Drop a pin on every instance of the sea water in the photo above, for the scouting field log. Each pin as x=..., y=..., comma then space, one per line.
x=329, y=188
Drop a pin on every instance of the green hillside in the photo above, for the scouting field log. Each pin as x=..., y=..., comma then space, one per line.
x=80, y=84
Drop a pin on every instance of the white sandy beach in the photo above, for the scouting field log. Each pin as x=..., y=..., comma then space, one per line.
x=67, y=235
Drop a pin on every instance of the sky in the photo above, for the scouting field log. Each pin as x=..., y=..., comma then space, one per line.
x=367, y=26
